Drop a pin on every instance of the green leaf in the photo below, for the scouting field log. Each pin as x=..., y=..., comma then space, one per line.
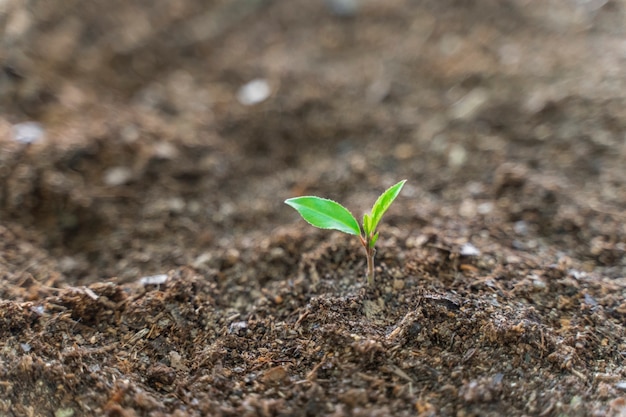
x=325, y=214
x=367, y=221
x=382, y=204
x=373, y=240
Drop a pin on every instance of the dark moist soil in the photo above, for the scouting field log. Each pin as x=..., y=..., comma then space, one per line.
x=149, y=266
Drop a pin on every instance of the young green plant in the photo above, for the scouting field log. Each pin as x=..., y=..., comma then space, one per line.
x=328, y=214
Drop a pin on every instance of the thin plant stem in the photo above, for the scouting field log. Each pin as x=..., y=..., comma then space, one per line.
x=369, y=252
x=370, y=265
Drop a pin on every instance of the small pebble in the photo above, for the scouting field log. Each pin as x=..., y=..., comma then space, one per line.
x=38, y=310
x=485, y=208
x=117, y=176
x=398, y=284
x=457, y=156
x=539, y=284
x=64, y=412
x=28, y=132
x=469, y=250
x=153, y=279
x=520, y=227
x=177, y=362
x=237, y=326
x=176, y=205
x=254, y=92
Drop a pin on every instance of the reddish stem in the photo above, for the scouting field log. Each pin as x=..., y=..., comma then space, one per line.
x=369, y=253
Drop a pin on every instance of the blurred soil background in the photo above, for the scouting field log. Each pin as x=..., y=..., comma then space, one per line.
x=148, y=265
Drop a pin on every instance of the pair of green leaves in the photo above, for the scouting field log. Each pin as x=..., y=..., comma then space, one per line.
x=328, y=214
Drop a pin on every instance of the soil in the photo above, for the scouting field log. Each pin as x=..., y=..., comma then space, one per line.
x=149, y=266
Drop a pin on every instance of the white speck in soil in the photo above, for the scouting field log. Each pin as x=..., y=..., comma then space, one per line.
x=117, y=176
x=237, y=326
x=153, y=279
x=28, y=132
x=469, y=250
x=254, y=92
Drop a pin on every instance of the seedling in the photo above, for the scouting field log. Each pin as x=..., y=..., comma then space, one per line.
x=328, y=214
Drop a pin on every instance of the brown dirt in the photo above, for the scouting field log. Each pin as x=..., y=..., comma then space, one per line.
x=501, y=271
